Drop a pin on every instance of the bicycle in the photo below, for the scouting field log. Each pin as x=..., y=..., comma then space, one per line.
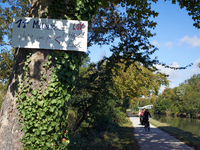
x=147, y=125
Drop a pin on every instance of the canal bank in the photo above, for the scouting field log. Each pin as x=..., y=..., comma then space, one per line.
x=185, y=124
x=155, y=139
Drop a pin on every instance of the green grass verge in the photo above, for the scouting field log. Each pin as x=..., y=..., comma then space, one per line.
x=187, y=137
x=116, y=138
x=126, y=137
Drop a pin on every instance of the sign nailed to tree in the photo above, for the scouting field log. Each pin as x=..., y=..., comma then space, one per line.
x=50, y=34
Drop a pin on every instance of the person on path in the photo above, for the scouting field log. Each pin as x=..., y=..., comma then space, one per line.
x=141, y=117
x=146, y=119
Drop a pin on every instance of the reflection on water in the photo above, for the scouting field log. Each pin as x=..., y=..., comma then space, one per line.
x=186, y=124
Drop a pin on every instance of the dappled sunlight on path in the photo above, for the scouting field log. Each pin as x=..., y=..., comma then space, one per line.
x=155, y=139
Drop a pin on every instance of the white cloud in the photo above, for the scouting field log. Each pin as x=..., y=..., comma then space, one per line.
x=192, y=41
x=173, y=74
x=178, y=76
x=169, y=45
x=155, y=43
x=196, y=62
x=195, y=69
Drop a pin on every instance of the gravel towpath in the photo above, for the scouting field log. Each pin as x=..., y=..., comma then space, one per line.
x=155, y=139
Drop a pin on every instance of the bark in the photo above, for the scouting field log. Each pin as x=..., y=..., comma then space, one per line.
x=10, y=134
x=38, y=7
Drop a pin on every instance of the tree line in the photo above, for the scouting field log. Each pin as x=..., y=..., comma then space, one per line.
x=183, y=100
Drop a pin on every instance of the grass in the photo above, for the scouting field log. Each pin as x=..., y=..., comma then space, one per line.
x=187, y=137
x=126, y=137
x=117, y=138
x=114, y=137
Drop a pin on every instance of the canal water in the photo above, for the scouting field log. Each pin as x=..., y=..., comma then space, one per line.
x=186, y=124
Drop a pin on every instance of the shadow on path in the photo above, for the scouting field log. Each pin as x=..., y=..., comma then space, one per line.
x=155, y=139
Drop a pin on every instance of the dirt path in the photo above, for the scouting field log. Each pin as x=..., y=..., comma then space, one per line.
x=155, y=139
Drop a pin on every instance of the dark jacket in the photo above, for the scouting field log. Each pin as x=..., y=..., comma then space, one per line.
x=146, y=115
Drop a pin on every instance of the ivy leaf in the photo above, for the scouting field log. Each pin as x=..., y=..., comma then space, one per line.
x=45, y=93
x=55, y=137
x=23, y=113
x=34, y=92
x=69, y=74
x=40, y=103
x=49, y=57
x=42, y=71
x=72, y=66
x=44, y=77
x=59, y=67
x=63, y=61
x=52, y=109
x=48, y=144
x=53, y=101
x=40, y=97
x=49, y=129
x=66, y=56
x=45, y=109
x=53, y=84
x=23, y=96
x=42, y=113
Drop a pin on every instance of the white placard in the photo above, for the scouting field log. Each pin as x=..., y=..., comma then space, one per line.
x=50, y=34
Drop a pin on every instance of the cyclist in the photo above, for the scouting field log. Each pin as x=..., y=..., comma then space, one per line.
x=146, y=119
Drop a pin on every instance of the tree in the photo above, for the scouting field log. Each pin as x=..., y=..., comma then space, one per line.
x=134, y=82
x=91, y=93
x=198, y=65
x=191, y=100
x=182, y=100
x=6, y=63
x=39, y=89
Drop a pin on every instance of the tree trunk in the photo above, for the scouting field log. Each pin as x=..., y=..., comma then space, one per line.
x=10, y=134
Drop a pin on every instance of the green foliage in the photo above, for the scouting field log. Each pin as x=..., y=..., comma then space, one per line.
x=93, y=101
x=114, y=137
x=183, y=100
x=133, y=82
x=193, y=9
x=73, y=10
x=44, y=113
x=6, y=64
x=12, y=9
x=161, y=106
x=191, y=97
x=3, y=88
x=90, y=94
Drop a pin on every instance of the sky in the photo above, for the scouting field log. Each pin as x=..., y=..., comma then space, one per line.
x=177, y=39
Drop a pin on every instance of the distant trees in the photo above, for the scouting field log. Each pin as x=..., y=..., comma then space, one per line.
x=134, y=82
x=182, y=101
x=6, y=64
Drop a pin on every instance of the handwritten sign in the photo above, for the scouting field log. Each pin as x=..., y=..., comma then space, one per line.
x=50, y=34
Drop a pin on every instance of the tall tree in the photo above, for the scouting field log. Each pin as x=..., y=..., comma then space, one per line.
x=39, y=87
x=136, y=81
